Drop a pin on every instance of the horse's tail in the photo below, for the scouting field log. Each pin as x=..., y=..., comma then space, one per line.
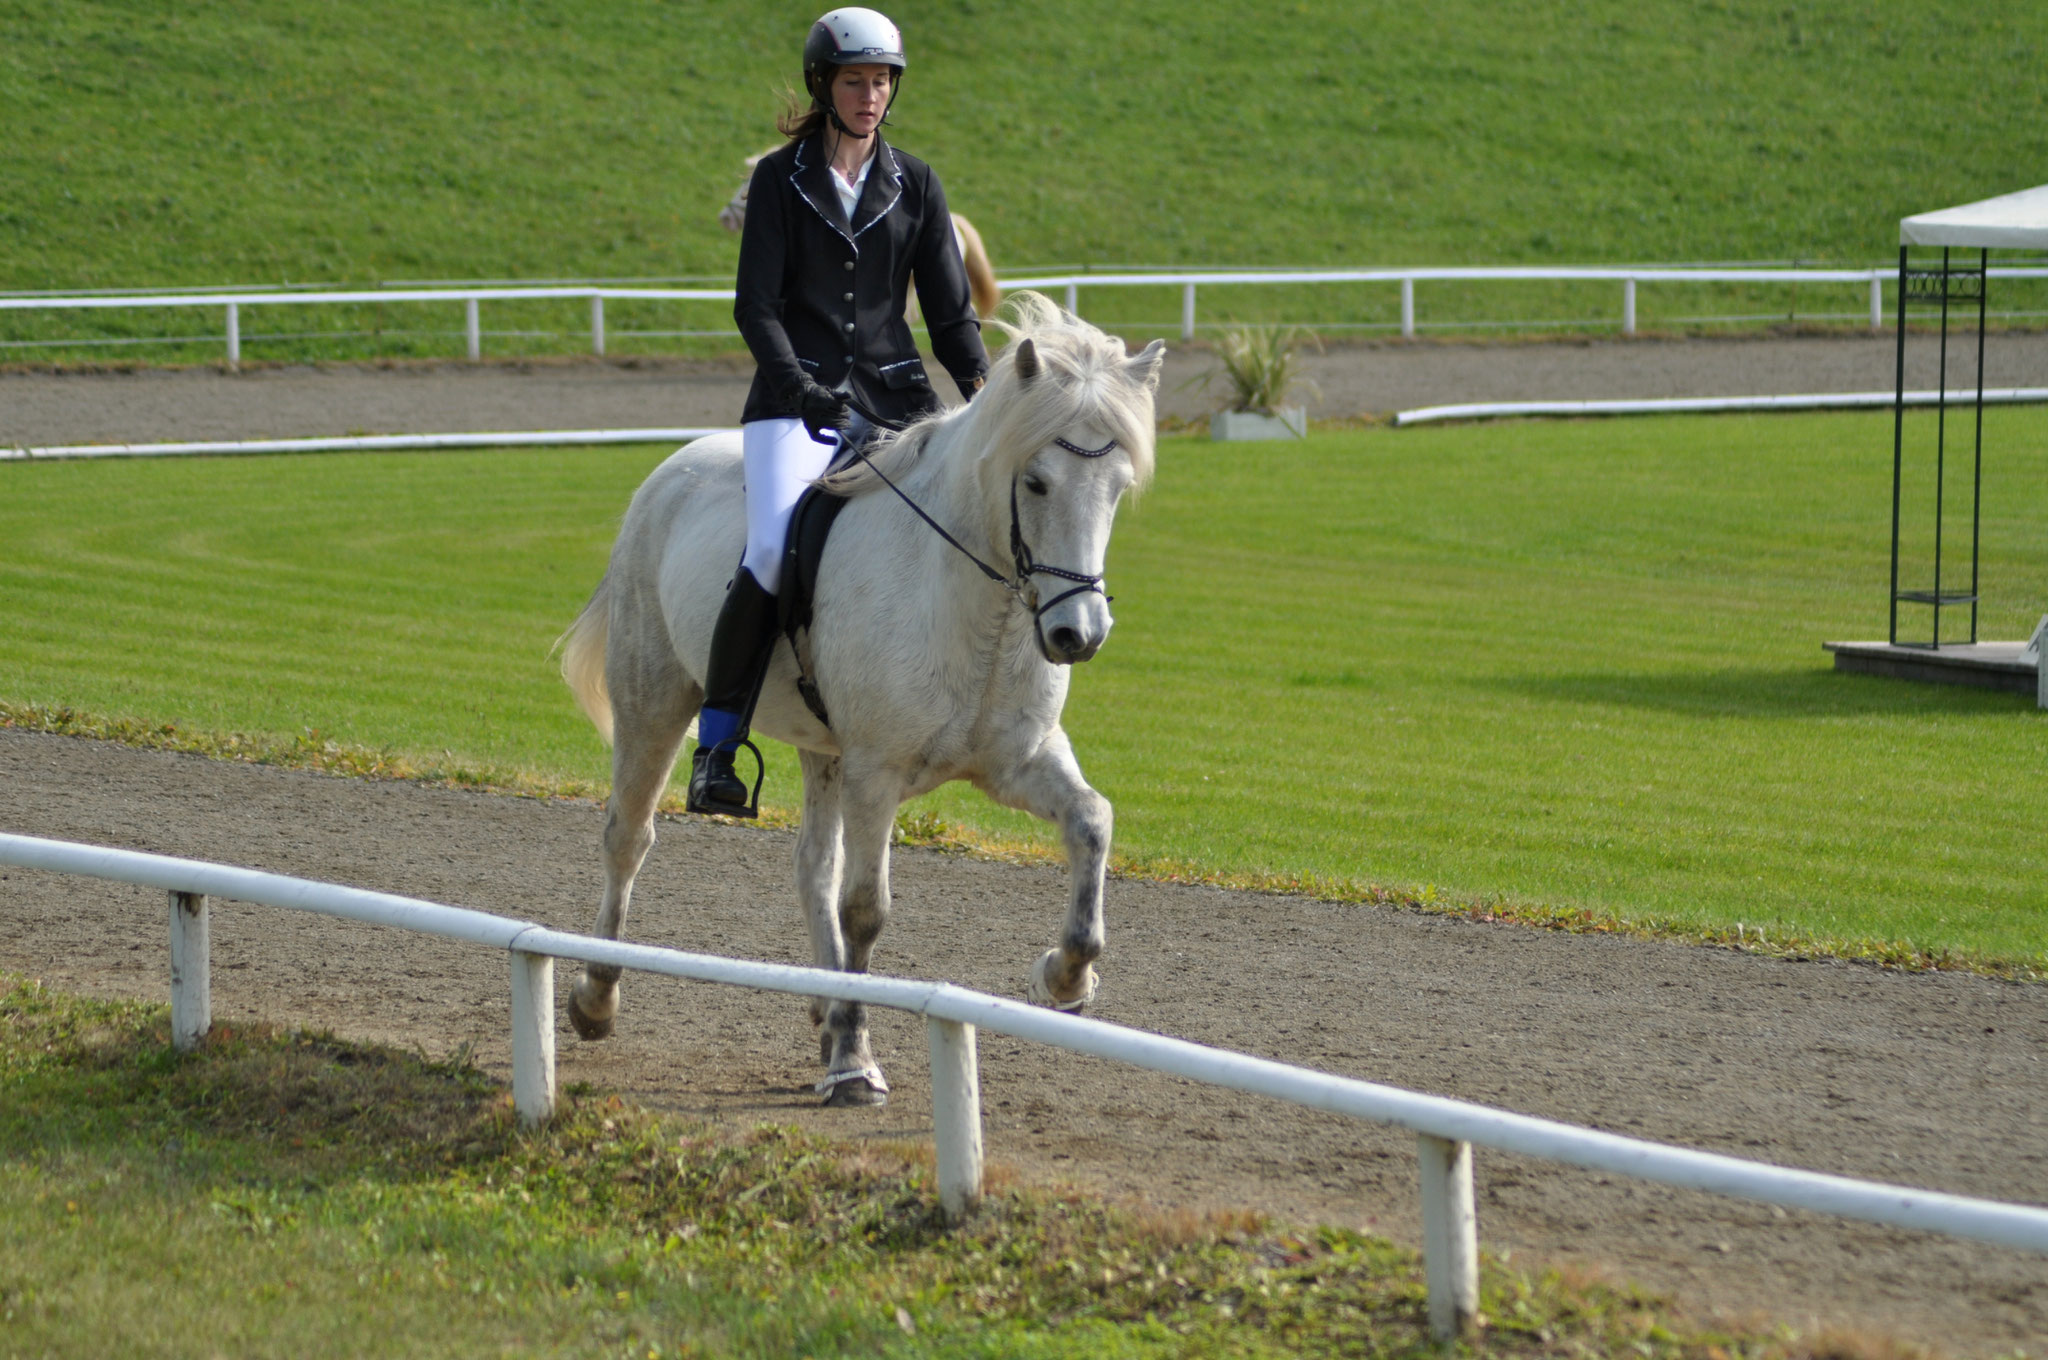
x=582, y=649
x=981, y=275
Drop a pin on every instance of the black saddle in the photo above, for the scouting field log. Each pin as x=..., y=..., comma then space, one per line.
x=810, y=524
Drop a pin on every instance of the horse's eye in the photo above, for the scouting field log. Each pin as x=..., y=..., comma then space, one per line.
x=1034, y=485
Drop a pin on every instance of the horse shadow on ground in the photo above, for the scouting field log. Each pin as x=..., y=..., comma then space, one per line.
x=1765, y=692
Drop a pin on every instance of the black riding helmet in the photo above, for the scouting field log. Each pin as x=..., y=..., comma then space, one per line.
x=851, y=37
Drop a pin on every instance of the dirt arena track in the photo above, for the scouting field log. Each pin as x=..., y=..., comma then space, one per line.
x=1934, y=1079
x=302, y=401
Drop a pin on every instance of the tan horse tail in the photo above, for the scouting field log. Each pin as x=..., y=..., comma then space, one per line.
x=582, y=649
x=981, y=275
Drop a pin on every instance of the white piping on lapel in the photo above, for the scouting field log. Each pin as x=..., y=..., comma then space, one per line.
x=894, y=169
x=831, y=220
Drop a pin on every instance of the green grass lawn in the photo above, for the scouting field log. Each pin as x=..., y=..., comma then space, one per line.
x=1565, y=666
x=217, y=143
x=286, y=1194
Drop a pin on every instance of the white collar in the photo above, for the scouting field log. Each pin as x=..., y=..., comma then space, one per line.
x=849, y=194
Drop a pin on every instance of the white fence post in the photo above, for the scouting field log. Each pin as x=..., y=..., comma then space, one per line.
x=234, y=336
x=1876, y=301
x=956, y=1114
x=533, y=1037
x=1074, y=298
x=191, y=971
x=1187, y=311
x=473, y=328
x=1407, y=309
x=597, y=324
x=1628, y=306
x=1450, y=1234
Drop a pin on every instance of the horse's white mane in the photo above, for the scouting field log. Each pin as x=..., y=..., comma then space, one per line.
x=1083, y=377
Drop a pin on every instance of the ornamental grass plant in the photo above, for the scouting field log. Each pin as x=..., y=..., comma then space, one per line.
x=1258, y=364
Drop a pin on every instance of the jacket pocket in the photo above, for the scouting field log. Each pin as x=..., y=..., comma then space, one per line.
x=903, y=374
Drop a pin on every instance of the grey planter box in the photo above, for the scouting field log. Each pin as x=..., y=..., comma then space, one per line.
x=1289, y=422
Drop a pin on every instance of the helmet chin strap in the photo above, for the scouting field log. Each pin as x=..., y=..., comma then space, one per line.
x=822, y=97
x=840, y=126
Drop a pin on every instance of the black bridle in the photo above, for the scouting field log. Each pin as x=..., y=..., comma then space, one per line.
x=1027, y=564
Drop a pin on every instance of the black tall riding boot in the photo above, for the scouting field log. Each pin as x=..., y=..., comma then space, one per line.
x=740, y=647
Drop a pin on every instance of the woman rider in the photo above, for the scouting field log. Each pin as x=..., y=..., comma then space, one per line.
x=837, y=222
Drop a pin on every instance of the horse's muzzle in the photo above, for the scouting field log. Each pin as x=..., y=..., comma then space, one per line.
x=1065, y=645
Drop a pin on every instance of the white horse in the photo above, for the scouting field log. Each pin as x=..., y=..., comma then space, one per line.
x=930, y=671
x=981, y=274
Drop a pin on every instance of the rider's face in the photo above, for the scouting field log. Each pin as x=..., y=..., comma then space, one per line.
x=861, y=96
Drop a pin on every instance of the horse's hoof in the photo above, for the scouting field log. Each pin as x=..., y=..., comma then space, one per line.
x=859, y=1091
x=588, y=1026
x=1040, y=992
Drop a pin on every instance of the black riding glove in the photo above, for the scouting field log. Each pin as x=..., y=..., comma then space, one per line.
x=823, y=410
x=969, y=386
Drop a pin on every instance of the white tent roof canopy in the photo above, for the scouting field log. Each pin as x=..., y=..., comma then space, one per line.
x=2011, y=221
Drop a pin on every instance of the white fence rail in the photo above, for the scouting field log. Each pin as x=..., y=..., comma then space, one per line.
x=1655, y=406
x=372, y=443
x=1445, y=1129
x=1069, y=286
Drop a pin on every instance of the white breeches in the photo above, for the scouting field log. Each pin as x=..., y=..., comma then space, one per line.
x=781, y=460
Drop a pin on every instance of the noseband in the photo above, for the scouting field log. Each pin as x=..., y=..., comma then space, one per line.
x=1020, y=586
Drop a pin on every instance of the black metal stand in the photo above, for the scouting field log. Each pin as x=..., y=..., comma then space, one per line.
x=1938, y=286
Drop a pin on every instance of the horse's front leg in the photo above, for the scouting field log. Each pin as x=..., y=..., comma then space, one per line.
x=1048, y=785
x=868, y=806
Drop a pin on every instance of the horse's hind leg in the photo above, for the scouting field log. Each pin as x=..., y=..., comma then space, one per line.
x=1049, y=785
x=868, y=808
x=820, y=859
x=649, y=722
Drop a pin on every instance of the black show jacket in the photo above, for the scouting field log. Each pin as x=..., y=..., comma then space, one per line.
x=824, y=297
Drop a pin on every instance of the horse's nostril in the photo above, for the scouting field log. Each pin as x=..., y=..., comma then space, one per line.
x=1066, y=641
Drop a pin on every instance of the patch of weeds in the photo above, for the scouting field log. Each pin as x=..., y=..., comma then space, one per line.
x=309, y=1097
x=656, y=1234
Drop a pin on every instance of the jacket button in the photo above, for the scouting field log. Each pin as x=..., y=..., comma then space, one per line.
x=849, y=266
x=849, y=326
x=846, y=297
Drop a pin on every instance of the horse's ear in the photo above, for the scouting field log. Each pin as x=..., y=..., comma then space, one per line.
x=1027, y=360
x=1145, y=365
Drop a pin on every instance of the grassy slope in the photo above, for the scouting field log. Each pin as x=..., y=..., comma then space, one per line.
x=289, y=1195
x=1574, y=664
x=216, y=142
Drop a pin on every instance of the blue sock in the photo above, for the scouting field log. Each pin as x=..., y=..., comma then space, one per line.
x=715, y=726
